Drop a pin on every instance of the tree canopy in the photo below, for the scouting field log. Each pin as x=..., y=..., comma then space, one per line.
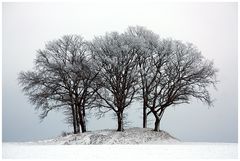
x=112, y=71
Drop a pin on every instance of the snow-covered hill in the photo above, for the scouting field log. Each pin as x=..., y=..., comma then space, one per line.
x=129, y=136
x=161, y=145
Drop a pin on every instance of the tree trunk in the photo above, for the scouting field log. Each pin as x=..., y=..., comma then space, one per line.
x=158, y=119
x=144, y=113
x=83, y=124
x=77, y=120
x=120, y=121
x=74, y=115
x=157, y=125
x=84, y=113
x=84, y=120
x=81, y=120
x=74, y=120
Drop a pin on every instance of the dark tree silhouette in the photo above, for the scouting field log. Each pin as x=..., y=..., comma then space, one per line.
x=113, y=55
x=181, y=73
x=147, y=43
x=62, y=79
x=111, y=71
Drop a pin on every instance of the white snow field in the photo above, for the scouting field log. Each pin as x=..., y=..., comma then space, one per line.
x=157, y=145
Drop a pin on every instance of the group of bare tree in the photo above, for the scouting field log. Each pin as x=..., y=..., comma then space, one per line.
x=63, y=78
x=111, y=71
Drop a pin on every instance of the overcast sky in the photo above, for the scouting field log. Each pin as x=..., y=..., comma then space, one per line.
x=212, y=27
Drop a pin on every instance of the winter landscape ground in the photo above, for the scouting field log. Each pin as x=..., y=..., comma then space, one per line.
x=156, y=145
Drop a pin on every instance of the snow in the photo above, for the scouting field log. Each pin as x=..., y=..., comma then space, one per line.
x=129, y=136
x=158, y=145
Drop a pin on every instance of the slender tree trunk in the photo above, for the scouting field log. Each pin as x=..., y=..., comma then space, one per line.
x=158, y=119
x=83, y=124
x=84, y=119
x=157, y=125
x=77, y=120
x=81, y=120
x=74, y=119
x=120, y=121
x=84, y=113
x=74, y=115
x=144, y=93
x=144, y=113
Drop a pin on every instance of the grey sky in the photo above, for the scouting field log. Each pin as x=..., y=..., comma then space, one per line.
x=212, y=27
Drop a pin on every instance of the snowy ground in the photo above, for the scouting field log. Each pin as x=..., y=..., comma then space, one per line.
x=129, y=136
x=158, y=145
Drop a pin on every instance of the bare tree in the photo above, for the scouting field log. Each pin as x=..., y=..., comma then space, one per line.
x=147, y=43
x=115, y=59
x=181, y=73
x=73, y=75
x=61, y=79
